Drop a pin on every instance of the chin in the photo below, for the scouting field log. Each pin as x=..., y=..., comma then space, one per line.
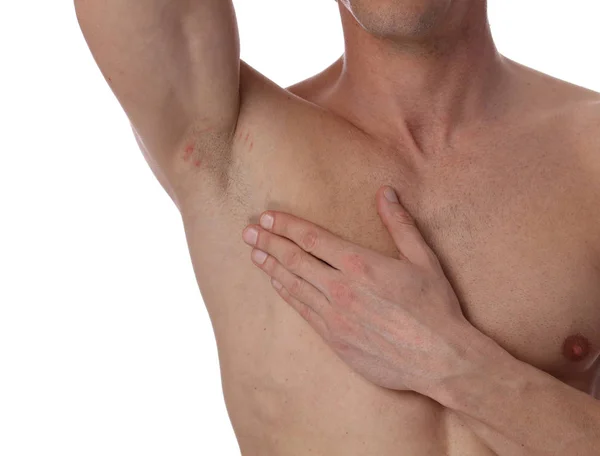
x=412, y=19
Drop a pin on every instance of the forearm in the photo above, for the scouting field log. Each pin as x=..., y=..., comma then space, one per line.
x=527, y=406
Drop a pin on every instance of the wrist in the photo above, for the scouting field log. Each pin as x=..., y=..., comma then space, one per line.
x=481, y=364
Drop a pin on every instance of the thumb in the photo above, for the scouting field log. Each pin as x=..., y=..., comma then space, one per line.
x=403, y=229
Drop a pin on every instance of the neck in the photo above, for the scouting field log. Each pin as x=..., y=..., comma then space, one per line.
x=427, y=88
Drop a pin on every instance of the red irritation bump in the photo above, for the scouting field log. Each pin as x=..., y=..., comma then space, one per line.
x=246, y=138
x=197, y=163
x=251, y=144
x=189, y=150
x=576, y=347
x=206, y=129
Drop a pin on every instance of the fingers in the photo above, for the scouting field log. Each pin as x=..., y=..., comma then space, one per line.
x=283, y=254
x=309, y=237
x=295, y=286
x=306, y=311
x=403, y=229
x=309, y=302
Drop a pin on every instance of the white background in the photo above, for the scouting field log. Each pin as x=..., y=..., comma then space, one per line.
x=105, y=345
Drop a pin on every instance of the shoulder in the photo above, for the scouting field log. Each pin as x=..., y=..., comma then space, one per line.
x=544, y=96
x=567, y=112
x=576, y=125
x=565, y=117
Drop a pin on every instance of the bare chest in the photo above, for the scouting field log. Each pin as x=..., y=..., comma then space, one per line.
x=512, y=230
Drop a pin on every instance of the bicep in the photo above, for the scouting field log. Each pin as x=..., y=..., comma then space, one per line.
x=170, y=63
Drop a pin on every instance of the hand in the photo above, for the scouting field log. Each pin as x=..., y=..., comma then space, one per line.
x=397, y=322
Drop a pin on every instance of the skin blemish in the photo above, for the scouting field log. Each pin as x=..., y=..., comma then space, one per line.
x=576, y=348
x=197, y=163
x=206, y=129
x=246, y=138
x=109, y=79
x=251, y=145
x=189, y=150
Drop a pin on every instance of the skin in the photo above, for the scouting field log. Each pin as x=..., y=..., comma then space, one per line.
x=398, y=323
x=496, y=163
x=353, y=297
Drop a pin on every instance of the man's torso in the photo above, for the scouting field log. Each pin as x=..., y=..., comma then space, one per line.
x=510, y=209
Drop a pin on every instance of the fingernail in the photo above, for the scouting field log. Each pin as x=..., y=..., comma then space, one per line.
x=390, y=195
x=250, y=236
x=276, y=284
x=266, y=221
x=259, y=256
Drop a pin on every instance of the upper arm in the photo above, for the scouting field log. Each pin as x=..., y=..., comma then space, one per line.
x=172, y=64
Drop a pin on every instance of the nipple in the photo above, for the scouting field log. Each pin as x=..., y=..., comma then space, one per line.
x=576, y=347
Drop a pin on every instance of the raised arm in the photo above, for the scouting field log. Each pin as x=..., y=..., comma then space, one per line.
x=173, y=65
